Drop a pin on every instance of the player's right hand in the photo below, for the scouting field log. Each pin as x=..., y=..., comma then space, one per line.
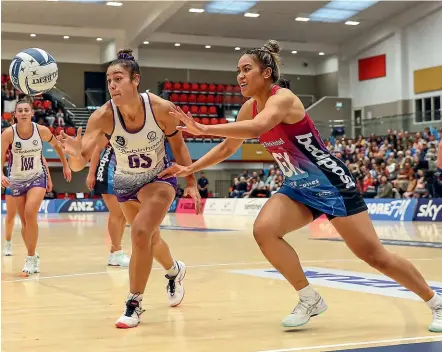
x=175, y=171
x=90, y=181
x=71, y=145
x=5, y=181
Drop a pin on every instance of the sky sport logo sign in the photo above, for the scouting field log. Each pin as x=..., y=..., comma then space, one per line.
x=348, y=280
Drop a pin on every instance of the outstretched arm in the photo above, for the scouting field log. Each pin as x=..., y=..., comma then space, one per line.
x=276, y=109
x=45, y=163
x=216, y=155
x=6, y=141
x=95, y=159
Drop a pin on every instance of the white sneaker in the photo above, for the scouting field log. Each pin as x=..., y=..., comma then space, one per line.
x=7, y=250
x=175, y=287
x=36, y=263
x=131, y=316
x=436, y=325
x=28, y=268
x=303, y=311
x=118, y=258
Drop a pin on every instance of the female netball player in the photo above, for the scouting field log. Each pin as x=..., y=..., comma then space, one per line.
x=315, y=183
x=11, y=208
x=28, y=177
x=101, y=179
x=137, y=125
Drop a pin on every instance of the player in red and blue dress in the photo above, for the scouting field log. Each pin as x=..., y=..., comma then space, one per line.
x=315, y=183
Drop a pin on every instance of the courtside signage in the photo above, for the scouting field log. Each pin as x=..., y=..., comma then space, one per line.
x=347, y=280
x=391, y=209
x=220, y=206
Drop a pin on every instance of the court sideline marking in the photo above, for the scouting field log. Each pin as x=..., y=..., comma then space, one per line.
x=362, y=343
x=188, y=266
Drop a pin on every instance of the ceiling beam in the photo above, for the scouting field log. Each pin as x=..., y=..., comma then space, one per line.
x=241, y=42
x=158, y=14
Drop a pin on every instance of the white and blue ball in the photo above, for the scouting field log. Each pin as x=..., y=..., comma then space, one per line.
x=33, y=71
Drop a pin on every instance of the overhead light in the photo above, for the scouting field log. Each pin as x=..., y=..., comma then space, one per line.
x=351, y=23
x=196, y=10
x=177, y=44
x=250, y=14
x=114, y=3
x=146, y=42
x=237, y=48
x=99, y=39
x=302, y=19
x=208, y=46
x=294, y=52
x=321, y=53
x=66, y=37
x=33, y=35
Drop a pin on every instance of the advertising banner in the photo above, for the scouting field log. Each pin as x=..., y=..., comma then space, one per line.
x=187, y=206
x=220, y=206
x=249, y=206
x=391, y=209
x=428, y=210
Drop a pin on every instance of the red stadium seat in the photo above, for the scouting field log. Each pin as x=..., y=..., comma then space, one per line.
x=202, y=99
x=219, y=99
x=213, y=110
x=228, y=100
x=194, y=87
x=174, y=98
x=167, y=86
x=214, y=121
x=204, y=110
x=183, y=98
x=220, y=88
x=52, y=129
x=185, y=108
x=212, y=88
x=197, y=120
x=194, y=110
x=191, y=99
x=47, y=105
x=204, y=87
x=205, y=121
x=210, y=99
x=237, y=89
x=222, y=120
x=58, y=130
x=237, y=99
x=177, y=87
x=186, y=87
x=229, y=89
x=70, y=131
x=7, y=116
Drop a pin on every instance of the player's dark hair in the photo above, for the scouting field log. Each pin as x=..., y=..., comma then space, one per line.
x=126, y=59
x=268, y=56
x=284, y=82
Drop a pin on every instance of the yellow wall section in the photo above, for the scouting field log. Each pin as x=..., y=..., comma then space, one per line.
x=428, y=79
x=255, y=152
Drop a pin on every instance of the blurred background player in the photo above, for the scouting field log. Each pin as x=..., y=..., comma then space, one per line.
x=28, y=179
x=100, y=179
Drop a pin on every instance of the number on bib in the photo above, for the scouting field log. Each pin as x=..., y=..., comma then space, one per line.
x=139, y=160
x=288, y=169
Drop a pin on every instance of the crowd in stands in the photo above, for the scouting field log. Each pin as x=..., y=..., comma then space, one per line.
x=397, y=165
x=47, y=112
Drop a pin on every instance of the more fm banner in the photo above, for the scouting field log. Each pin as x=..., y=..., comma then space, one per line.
x=378, y=209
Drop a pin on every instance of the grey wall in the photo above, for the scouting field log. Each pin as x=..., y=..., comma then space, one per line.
x=326, y=85
x=388, y=109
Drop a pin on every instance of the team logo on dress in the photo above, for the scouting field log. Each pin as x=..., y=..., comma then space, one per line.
x=34, y=142
x=121, y=141
x=18, y=145
x=151, y=136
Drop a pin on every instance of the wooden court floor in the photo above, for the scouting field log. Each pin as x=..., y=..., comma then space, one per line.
x=234, y=299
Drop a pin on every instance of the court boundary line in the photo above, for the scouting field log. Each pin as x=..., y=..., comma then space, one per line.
x=120, y=270
x=361, y=343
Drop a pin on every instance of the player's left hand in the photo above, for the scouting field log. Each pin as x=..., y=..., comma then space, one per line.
x=190, y=125
x=175, y=170
x=49, y=186
x=67, y=173
x=193, y=193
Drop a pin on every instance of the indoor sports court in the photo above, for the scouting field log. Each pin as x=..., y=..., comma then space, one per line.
x=234, y=299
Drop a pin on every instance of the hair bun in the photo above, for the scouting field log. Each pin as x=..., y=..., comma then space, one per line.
x=125, y=54
x=272, y=46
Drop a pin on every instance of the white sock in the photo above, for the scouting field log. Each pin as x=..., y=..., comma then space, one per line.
x=7, y=242
x=308, y=293
x=136, y=296
x=174, y=270
x=435, y=301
